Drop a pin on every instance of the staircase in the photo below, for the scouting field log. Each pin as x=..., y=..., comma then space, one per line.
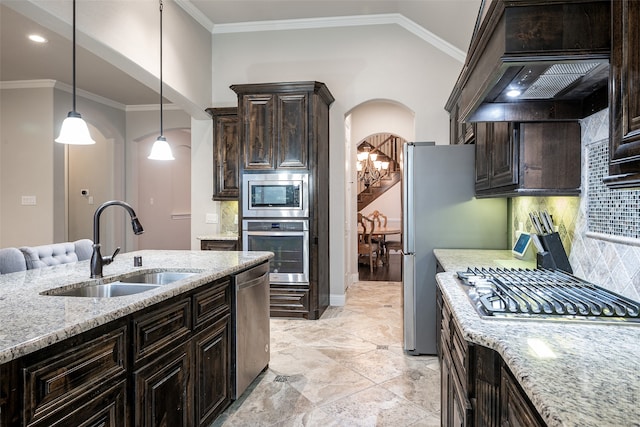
x=391, y=146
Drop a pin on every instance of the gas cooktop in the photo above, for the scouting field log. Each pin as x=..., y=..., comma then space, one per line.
x=544, y=294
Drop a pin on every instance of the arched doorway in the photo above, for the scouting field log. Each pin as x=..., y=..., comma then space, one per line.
x=366, y=119
x=379, y=200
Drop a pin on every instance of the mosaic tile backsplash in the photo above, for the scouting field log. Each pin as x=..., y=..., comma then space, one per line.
x=611, y=257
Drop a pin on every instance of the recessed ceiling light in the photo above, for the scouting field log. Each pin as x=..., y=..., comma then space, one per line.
x=513, y=93
x=37, y=38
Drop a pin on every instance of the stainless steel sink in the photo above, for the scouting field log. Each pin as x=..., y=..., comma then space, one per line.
x=106, y=290
x=162, y=278
x=130, y=285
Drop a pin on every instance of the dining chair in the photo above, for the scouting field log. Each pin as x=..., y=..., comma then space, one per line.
x=366, y=245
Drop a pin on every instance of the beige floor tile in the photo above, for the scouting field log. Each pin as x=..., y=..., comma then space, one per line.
x=346, y=369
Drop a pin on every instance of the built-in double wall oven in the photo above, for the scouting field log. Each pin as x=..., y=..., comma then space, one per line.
x=275, y=208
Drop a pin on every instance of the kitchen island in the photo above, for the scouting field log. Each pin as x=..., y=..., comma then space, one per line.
x=587, y=375
x=164, y=353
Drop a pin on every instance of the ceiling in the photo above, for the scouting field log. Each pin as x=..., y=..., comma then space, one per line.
x=21, y=59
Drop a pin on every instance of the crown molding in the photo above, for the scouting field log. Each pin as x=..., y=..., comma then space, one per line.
x=54, y=84
x=344, y=21
x=328, y=22
x=196, y=14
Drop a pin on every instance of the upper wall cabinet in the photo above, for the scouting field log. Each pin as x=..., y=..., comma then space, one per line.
x=624, y=120
x=277, y=123
x=527, y=159
x=226, y=153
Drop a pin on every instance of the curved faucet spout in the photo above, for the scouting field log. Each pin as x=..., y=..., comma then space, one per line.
x=97, y=260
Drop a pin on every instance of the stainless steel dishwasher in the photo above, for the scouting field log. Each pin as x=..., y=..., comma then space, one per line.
x=251, y=326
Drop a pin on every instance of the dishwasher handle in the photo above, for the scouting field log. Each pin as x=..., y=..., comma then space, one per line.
x=252, y=277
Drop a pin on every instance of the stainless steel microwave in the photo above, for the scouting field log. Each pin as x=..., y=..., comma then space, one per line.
x=275, y=195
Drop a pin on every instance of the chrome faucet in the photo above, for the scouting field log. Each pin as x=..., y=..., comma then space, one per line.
x=97, y=260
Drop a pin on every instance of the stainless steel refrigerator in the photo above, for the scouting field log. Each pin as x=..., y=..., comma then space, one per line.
x=440, y=212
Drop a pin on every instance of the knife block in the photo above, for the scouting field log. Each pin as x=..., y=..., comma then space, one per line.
x=554, y=255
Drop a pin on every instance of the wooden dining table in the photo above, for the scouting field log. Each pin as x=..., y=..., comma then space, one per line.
x=381, y=234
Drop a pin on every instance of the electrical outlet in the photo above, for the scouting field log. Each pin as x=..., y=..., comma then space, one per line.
x=211, y=218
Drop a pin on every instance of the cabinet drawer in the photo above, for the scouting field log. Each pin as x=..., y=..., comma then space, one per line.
x=54, y=382
x=459, y=351
x=212, y=303
x=161, y=327
x=219, y=245
x=285, y=301
x=108, y=409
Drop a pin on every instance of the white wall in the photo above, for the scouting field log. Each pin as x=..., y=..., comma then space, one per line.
x=357, y=64
x=27, y=169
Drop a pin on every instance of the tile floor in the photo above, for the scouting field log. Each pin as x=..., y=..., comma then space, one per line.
x=345, y=369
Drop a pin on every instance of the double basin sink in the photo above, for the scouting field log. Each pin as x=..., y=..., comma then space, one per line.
x=130, y=285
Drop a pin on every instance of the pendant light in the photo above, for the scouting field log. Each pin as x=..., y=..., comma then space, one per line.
x=161, y=149
x=74, y=130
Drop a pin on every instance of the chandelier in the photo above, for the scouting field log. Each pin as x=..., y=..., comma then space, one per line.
x=371, y=166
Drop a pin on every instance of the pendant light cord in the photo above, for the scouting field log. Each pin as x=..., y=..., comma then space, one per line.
x=161, y=128
x=74, y=57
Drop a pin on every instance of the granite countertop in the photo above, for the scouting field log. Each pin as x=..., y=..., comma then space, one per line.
x=31, y=321
x=593, y=378
x=221, y=236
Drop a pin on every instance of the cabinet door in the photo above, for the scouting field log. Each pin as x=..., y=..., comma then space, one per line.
x=212, y=373
x=226, y=153
x=503, y=149
x=259, y=131
x=292, y=131
x=446, y=386
x=515, y=409
x=163, y=392
x=482, y=158
x=624, y=121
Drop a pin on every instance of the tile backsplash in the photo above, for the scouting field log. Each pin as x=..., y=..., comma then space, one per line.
x=229, y=217
x=600, y=230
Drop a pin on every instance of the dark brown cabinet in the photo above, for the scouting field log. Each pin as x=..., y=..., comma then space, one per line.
x=285, y=127
x=219, y=245
x=81, y=381
x=281, y=124
x=477, y=388
x=532, y=158
x=166, y=365
x=163, y=390
x=455, y=352
x=624, y=96
x=226, y=153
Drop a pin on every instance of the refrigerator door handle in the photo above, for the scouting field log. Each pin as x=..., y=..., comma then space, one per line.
x=408, y=246
x=409, y=302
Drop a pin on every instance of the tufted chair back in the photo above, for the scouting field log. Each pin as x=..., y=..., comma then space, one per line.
x=56, y=253
x=11, y=260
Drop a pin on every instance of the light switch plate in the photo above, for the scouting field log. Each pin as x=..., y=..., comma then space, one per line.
x=28, y=200
x=211, y=218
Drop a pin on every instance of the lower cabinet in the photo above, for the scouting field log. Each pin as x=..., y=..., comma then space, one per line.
x=166, y=365
x=477, y=388
x=163, y=390
x=219, y=245
x=212, y=385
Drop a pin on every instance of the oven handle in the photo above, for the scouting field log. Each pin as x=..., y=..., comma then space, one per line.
x=276, y=233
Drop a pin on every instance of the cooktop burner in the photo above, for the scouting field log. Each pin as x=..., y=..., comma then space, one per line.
x=541, y=293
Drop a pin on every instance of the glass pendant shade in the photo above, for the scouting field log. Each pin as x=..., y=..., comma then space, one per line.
x=74, y=131
x=161, y=150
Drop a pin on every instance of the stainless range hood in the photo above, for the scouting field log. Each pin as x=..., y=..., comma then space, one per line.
x=536, y=60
